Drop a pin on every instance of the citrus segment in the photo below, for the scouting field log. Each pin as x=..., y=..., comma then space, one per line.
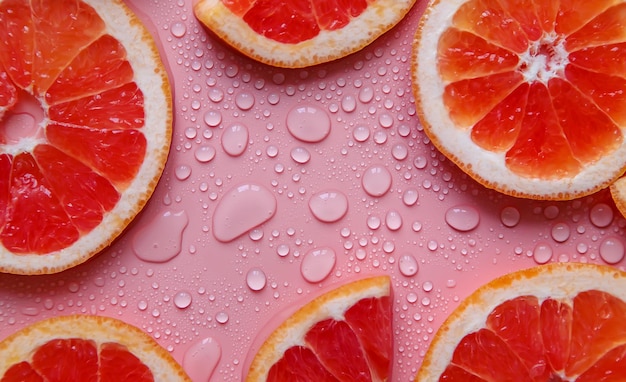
x=618, y=194
x=85, y=348
x=85, y=131
x=300, y=33
x=343, y=335
x=527, y=98
x=558, y=322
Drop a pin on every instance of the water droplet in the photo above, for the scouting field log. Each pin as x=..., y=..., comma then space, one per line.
x=241, y=209
x=244, y=101
x=393, y=220
x=376, y=180
x=410, y=196
x=373, y=222
x=221, y=317
x=201, y=359
x=235, y=139
x=462, y=218
x=182, y=299
x=551, y=212
x=560, y=232
x=178, y=29
x=256, y=279
x=182, y=172
x=160, y=240
x=329, y=206
x=361, y=133
x=408, y=265
x=601, y=215
x=542, y=253
x=204, y=154
x=385, y=120
x=510, y=216
x=300, y=155
x=427, y=286
x=317, y=264
x=215, y=95
x=612, y=250
x=212, y=118
x=400, y=151
x=308, y=123
x=348, y=104
x=366, y=94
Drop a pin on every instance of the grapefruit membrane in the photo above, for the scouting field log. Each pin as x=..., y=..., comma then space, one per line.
x=86, y=122
x=300, y=33
x=526, y=97
x=343, y=335
x=554, y=322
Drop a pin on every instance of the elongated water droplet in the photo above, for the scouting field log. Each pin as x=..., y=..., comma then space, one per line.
x=542, y=253
x=241, y=209
x=408, y=265
x=160, y=240
x=201, y=359
x=317, y=264
x=235, y=139
x=462, y=218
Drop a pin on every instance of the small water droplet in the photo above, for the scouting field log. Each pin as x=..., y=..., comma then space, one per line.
x=160, y=240
x=601, y=215
x=182, y=172
x=221, y=317
x=542, y=253
x=256, y=279
x=510, y=216
x=366, y=94
x=612, y=250
x=348, y=104
x=560, y=232
x=462, y=218
x=361, y=133
x=142, y=305
x=300, y=155
x=408, y=265
x=215, y=95
x=241, y=209
x=178, y=29
x=204, y=154
x=201, y=359
x=410, y=196
x=400, y=151
x=308, y=123
x=182, y=299
x=329, y=206
x=212, y=118
x=317, y=264
x=235, y=139
x=393, y=220
x=376, y=180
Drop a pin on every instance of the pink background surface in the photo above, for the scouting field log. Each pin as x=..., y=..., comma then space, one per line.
x=215, y=89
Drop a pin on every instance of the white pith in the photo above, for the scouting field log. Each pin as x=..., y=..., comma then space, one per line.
x=489, y=166
x=151, y=79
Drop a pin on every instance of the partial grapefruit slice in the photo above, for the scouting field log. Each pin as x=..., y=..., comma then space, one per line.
x=85, y=348
x=556, y=322
x=85, y=131
x=343, y=335
x=527, y=97
x=300, y=33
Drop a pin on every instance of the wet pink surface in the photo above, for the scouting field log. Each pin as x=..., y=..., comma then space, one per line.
x=254, y=216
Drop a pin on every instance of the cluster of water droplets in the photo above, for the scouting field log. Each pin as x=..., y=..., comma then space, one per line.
x=281, y=182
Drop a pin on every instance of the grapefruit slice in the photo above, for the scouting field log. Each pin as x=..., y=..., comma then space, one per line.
x=343, y=335
x=85, y=129
x=556, y=322
x=300, y=33
x=618, y=194
x=85, y=348
x=527, y=97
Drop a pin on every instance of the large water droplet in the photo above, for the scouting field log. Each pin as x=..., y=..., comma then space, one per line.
x=256, y=279
x=510, y=216
x=376, y=180
x=212, y=118
x=201, y=359
x=235, y=139
x=560, y=232
x=241, y=209
x=612, y=250
x=317, y=264
x=542, y=253
x=348, y=104
x=462, y=218
x=410, y=196
x=329, y=206
x=182, y=299
x=178, y=29
x=393, y=220
x=601, y=215
x=244, y=101
x=204, y=154
x=160, y=240
x=308, y=123
x=300, y=155
x=408, y=265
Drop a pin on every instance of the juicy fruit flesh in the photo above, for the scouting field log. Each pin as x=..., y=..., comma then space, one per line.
x=76, y=359
x=295, y=21
x=543, y=85
x=58, y=182
x=525, y=339
x=357, y=348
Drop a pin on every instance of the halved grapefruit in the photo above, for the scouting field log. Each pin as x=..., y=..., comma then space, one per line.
x=300, y=33
x=343, y=335
x=555, y=322
x=85, y=129
x=85, y=348
x=528, y=97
